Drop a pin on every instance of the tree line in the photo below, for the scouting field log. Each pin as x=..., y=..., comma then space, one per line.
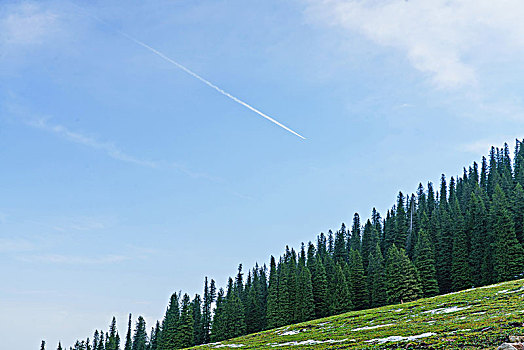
x=468, y=233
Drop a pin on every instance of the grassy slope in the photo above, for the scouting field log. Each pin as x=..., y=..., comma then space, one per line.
x=485, y=318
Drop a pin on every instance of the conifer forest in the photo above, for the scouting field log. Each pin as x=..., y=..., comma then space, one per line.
x=467, y=231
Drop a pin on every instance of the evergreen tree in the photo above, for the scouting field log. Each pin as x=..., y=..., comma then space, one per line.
x=305, y=302
x=209, y=299
x=369, y=241
x=425, y=264
x=140, y=336
x=518, y=212
x=401, y=227
x=42, y=346
x=460, y=269
x=340, y=297
x=339, y=251
x=218, y=326
x=355, y=238
x=184, y=332
x=401, y=281
x=357, y=281
x=377, y=278
x=508, y=254
x=273, y=312
x=59, y=346
x=198, y=329
x=155, y=335
x=129, y=343
x=168, y=336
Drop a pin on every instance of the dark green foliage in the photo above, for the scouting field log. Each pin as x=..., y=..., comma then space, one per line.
x=184, y=332
x=460, y=268
x=155, y=335
x=518, y=212
x=425, y=264
x=357, y=281
x=59, y=346
x=209, y=299
x=340, y=297
x=376, y=278
x=273, y=313
x=355, y=237
x=508, y=254
x=129, y=342
x=198, y=329
x=305, y=310
x=167, y=339
x=339, y=251
x=42, y=346
x=140, y=335
x=401, y=277
x=369, y=240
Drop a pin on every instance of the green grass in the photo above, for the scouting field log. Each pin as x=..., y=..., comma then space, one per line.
x=482, y=318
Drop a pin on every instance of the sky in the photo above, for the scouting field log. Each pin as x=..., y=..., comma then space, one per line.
x=124, y=179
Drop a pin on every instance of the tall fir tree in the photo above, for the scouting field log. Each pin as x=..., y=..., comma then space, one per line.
x=168, y=338
x=401, y=282
x=273, y=312
x=508, y=254
x=129, y=342
x=140, y=335
x=425, y=264
x=376, y=278
x=357, y=281
x=355, y=237
x=184, y=332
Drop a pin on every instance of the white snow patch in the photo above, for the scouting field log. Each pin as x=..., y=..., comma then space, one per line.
x=323, y=323
x=503, y=291
x=394, y=338
x=308, y=342
x=397, y=310
x=229, y=346
x=291, y=332
x=446, y=310
x=372, y=327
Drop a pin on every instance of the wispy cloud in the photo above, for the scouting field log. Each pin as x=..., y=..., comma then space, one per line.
x=26, y=23
x=109, y=148
x=73, y=259
x=444, y=39
x=483, y=146
x=16, y=245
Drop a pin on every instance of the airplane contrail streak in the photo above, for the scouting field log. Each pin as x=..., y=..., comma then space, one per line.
x=208, y=83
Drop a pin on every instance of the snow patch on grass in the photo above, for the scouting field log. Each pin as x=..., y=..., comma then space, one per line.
x=292, y=332
x=446, y=310
x=229, y=346
x=372, y=327
x=308, y=342
x=395, y=338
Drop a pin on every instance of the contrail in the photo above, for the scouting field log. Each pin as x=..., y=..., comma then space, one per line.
x=193, y=74
x=208, y=83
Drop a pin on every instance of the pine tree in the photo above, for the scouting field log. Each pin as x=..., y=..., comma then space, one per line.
x=198, y=329
x=167, y=339
x=129, y=343
x=218, y=326
x=518, y=212
x=184, y=332
x=209, y=299
x=401, y=281
x=377, y=278
x=273, y=312
x=425, y=264
x=460, y=268
x=42, y=346
x=140, y=336
x=401, y=227
x=508, y=253
x=305, y=302
x=59, y=346
x=155, y=335
x=340, y=297
x=355, y=238
x=369, y=240
x=318, y=281
x=339, y=251
x=357, y=281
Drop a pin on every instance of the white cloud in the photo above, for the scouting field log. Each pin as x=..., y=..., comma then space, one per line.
x=444, y=39
x=26, y=24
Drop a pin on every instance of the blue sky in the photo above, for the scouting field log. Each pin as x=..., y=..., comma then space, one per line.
x=124, y=179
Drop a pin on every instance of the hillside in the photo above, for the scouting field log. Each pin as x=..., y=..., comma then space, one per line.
x=479, y=318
